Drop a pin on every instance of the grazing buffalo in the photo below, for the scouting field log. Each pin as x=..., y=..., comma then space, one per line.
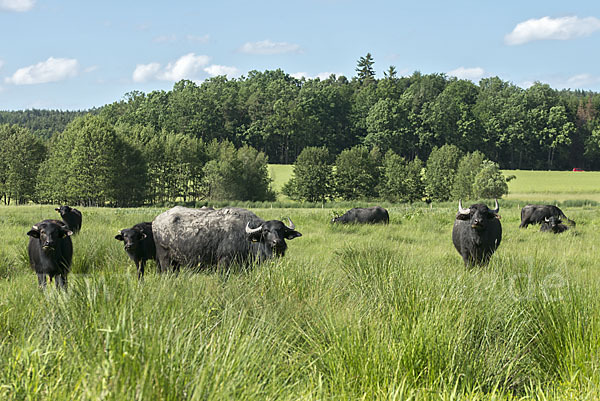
x=537, y=214
x=477, y=233
x=201, y=237
x=50, y=251
x=139, y=245
x=71, y=217
x=370, y=215
x=554, y=225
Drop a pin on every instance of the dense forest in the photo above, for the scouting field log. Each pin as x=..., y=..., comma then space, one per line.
x=164, y=137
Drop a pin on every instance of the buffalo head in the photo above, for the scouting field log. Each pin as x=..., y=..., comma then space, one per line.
x=273, y=233
x=131, y=237
x=49, y=234
x=478, y=214
x=63, y=210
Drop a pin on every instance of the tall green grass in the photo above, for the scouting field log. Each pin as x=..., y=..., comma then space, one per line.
x=351, y=312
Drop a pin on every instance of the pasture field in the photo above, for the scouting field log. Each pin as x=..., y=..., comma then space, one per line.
x=532, y=186
x=549, y=186
x=350, y=313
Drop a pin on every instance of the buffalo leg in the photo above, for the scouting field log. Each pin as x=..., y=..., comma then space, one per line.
x=140, y=268
x=41, y=280
x=61, y=281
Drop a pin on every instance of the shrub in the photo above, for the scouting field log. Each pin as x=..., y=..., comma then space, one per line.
x=401, y=180
x=468, y=167
x=441, y=171
x=357, y=173
x=490, y=182
x=312, y=177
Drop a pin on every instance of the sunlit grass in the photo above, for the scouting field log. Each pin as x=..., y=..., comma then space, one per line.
x=351, y=312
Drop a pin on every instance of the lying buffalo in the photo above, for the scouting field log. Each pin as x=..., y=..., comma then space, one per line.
x=139, y=245
x=554, y=225
x=477, y=233
x=50, y=251
x=203, y=237
x=537, y=214
x=369, y=215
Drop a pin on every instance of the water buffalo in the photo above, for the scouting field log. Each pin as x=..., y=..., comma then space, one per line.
x=477, y=233
x=204, y=237
x=139, y=245
x=71, y=217
x=374, y=214
x=554, y=225
x=537, y=214
x=50, y=251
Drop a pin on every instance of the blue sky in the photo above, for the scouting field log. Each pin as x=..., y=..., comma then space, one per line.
x=73, y=55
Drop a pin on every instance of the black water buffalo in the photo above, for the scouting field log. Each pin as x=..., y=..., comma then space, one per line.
x=477, y=233
x=554, y=225
x=537, y=214
x=374, y=214
x=50, y=251
x=139, y=245
x=71, y=217
x=202, y=237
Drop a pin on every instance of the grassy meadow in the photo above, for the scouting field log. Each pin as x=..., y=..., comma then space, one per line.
x=350, y=313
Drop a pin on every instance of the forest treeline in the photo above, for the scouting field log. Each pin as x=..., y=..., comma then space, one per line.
x=175, y=141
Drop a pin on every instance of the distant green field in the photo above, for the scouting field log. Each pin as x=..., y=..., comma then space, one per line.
x=528, y=186
x=280, y=173
x=554, y=185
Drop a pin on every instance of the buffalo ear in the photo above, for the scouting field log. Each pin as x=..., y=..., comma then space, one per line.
x=34, y=232
x=119, y=237
x=291, y=234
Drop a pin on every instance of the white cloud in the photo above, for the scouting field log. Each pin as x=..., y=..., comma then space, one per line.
x=473, y=74
x=145, y=72
x=582, y=81
x=51, y=70
x=547, y=28
x=198, y=39
x=267, y=47
x=1, y=64
x=216, y=70
x=186, y=67
x=165, y=38
x=17, y=5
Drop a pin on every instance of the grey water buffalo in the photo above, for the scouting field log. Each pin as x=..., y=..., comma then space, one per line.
x=537, y=214
x=370, y=215
x=71, y=217
x=554, y=225
x=205, y=237
x=139, y=245
x=477, y=233
x=50, y=251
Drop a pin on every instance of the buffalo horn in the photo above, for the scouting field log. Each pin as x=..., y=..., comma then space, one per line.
x=547, y=220
x=461, y=210
x=292, y=226
x=497, y=209
x=252, y=230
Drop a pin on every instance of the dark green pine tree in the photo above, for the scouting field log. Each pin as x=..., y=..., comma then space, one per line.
x=364, y=68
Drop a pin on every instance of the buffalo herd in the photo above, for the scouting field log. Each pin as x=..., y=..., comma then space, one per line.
x=189, y=237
